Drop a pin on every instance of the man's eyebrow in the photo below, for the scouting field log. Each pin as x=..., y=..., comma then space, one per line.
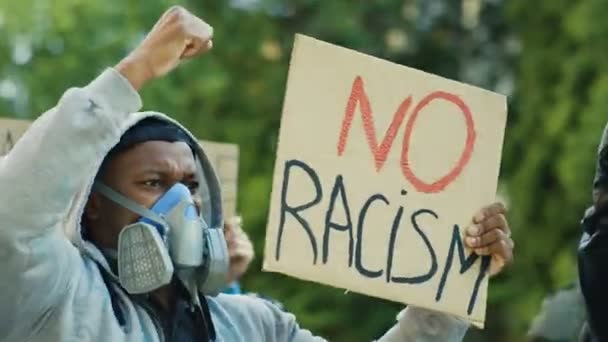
x=152, y=171
x=189, y=174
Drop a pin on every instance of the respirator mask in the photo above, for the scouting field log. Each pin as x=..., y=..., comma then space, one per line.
x=169, y=238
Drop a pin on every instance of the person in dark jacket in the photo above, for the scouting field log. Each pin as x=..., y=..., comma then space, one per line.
x=593, y=251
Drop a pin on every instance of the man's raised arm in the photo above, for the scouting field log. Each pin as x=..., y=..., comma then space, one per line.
x=63, y=147
x=54, y=159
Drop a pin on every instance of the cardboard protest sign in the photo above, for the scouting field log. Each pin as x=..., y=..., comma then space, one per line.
x=225, y=161
x=379, y=170
x=10, y=131
x=223, y=157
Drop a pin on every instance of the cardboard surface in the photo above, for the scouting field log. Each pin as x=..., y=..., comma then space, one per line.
x=379, y=170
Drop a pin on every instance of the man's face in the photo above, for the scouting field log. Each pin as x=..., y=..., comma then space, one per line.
x=143, y=173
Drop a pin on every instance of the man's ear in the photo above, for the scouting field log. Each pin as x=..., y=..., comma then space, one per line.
x=93, y=207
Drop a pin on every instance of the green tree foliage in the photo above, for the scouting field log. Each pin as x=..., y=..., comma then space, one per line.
x=235, y=95
x=561, y=99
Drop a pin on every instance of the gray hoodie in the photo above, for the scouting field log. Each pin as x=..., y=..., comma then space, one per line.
x=52, y=288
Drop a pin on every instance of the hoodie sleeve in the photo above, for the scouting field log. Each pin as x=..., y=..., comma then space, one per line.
x=39, y=178
x=50, y=162
x=413, y=325
x=259, y=319
x=421, y=325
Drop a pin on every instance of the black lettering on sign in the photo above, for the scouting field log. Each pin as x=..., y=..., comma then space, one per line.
x=295, y=211
x=338, y=190
x=356, y=245
x=391, y=248
x=465, y=264
x=359, y=249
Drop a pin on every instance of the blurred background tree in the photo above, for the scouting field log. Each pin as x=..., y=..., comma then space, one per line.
x=544, y=56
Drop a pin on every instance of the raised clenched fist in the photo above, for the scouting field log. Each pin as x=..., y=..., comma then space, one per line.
x=176, y=36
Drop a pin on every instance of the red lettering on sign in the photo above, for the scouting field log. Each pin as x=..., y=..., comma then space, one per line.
x=442, y=182
x=358, y=96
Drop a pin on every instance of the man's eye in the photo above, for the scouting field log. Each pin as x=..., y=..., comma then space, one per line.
x=152, y=182
x=193, y=186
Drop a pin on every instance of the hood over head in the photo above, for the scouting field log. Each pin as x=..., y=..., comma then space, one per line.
x=142, y=127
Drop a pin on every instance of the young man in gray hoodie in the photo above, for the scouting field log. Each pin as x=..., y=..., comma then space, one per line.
x=110, y=223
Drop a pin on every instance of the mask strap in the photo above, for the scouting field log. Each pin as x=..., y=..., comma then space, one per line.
x=120, y=199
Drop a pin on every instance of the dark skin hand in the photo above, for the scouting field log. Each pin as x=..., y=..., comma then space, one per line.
x=490, y=235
